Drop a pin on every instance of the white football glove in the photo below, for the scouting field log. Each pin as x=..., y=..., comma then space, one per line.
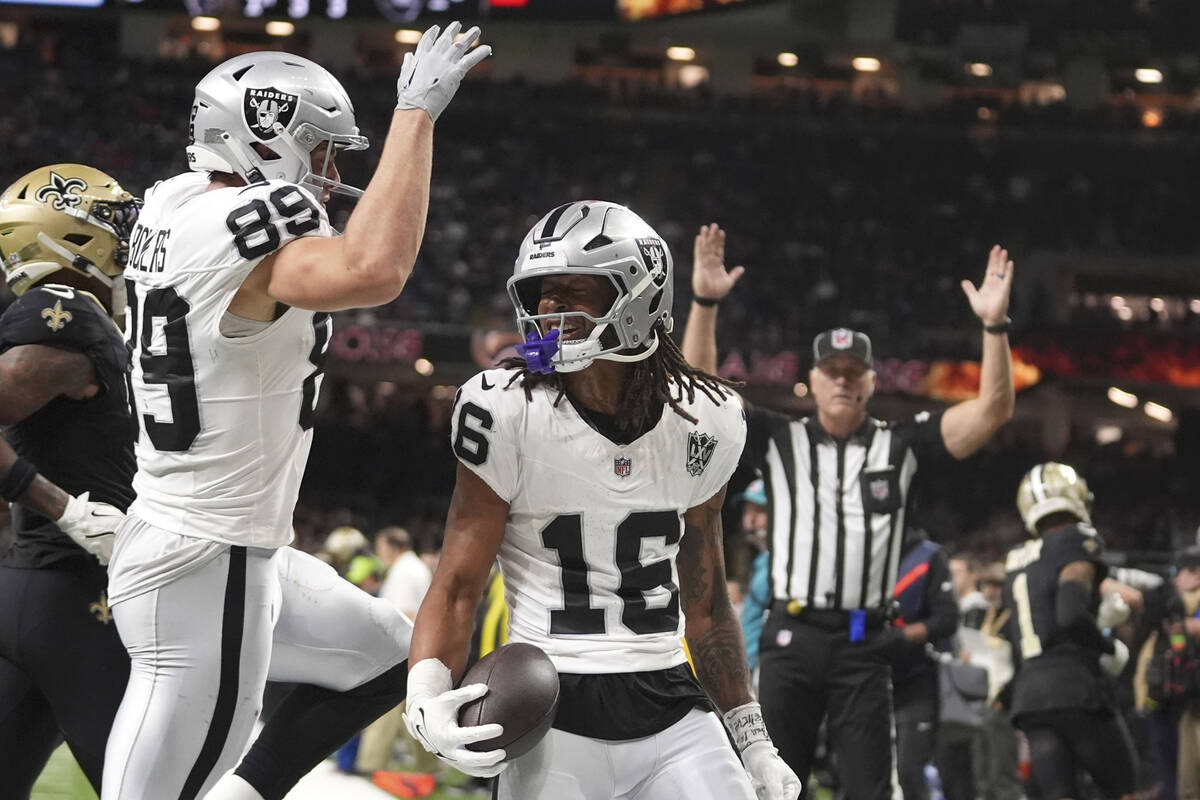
x=770, y=775
x=432, y=719
x=1114, y=664
x=430, y=76
x=1113, y=611
x=90, y=525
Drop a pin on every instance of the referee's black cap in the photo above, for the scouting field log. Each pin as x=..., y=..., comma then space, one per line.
x=842, y=341
x=1188, y=558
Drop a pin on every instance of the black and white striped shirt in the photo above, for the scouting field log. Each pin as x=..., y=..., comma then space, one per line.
x=837, y=508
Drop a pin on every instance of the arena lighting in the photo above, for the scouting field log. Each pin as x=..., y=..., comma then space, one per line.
x=423, y=366
x=681, y=53
x=787, y=59
x=865, y=64
x=692, y=75
x=408, y=36
x=278, y=27
x=206, y=24
x=1148, y=75
x=800, y=389
x=980, y=69
x=1155, y=411
x=1122, y=397
x=1152, y=118
x=1107, y=434
x=1125, y=313
x=1194, y=305
x=1158, y=304
x=1117, y=301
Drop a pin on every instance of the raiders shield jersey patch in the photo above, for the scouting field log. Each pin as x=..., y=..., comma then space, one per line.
x=699, y=452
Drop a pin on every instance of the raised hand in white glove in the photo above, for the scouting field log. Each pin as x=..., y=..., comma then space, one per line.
x=430, y=76
x=770, y=775
x=432, y=719
x=1114, y=663
x=90, y=525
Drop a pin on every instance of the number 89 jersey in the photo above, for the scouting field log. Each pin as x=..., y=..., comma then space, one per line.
x=588, y=554
x=225, y=421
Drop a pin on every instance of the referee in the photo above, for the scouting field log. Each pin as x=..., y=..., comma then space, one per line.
x=838, y=489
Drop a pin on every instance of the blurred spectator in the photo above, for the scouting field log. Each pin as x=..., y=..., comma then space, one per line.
x=758, y=593
x=343, y=544
x=408, y=577
x=928, y=609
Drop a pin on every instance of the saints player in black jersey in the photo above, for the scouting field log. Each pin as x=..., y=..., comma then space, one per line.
x=1061, y=697
x=65, y=466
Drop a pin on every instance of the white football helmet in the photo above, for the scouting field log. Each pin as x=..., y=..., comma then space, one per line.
x=285, y=103
x=594, y=238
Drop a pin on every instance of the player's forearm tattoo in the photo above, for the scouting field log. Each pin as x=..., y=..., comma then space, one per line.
x=714, y=635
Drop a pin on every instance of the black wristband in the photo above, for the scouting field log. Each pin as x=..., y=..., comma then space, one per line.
x=707, y=302
x=999, y=327
x=17, y=480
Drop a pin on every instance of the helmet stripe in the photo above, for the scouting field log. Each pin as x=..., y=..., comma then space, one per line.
x=1037, y=484
x=552, y=220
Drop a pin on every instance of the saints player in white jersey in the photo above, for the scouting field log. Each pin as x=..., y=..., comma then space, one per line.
x=595, y=468
x=232, y=272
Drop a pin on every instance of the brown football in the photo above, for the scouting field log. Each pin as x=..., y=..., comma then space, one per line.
x=522, y=696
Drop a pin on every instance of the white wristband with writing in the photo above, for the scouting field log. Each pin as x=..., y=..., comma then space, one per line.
x=746, y=726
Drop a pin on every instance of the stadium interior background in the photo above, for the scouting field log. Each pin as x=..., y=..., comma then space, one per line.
x=862, y=154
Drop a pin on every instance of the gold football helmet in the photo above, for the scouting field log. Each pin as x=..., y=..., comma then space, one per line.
x=66, y=216
x=1050, y=488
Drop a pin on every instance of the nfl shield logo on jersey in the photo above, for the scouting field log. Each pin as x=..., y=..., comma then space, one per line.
x=622, y=467
x=265, y=107
x=699, y=452
x=880, y=490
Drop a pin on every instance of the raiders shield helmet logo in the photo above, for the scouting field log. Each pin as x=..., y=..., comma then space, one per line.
x=699, y=452
x=62, y=192
x=654, y=256
x=266, y=107
x=622, y=467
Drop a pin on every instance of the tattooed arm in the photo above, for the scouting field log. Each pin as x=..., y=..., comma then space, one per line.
x=713, y=632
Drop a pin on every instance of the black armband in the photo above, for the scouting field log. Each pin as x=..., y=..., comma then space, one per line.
x=999, y=327
x=17, y=479
x=707, y=302
x=1075, y=619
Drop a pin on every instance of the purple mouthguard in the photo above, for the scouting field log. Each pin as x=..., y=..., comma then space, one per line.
x=538, y=350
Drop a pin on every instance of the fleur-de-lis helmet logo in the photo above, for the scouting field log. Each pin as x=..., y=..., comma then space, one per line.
x=62, y=192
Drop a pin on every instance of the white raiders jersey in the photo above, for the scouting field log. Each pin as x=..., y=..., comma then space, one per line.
x=588, y=555
x=225, y=423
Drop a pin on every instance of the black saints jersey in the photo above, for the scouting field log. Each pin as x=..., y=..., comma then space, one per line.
x=81, y=445
x=1053, y=672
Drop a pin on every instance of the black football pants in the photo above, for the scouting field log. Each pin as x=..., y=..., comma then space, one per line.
x=807, y=672
x=1064, y=741
x=63, y=671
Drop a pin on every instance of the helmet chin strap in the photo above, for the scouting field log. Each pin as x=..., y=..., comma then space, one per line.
x=115, y=283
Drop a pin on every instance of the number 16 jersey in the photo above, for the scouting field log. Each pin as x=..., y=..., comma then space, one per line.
x=588, y=555
x=225, y=422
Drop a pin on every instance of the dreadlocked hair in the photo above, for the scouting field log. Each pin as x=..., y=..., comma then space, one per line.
x=648, y=387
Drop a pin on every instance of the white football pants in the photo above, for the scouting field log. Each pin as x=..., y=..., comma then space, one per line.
x=203, y=645
x=692, y=759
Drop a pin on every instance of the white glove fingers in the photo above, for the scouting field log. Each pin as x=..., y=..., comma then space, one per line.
x=406, y=71
x=464, y=42
x=446, y=40
x=428, y=39
x=474, y=760
x=465, y=693
x=477, y=733
x=472, y=58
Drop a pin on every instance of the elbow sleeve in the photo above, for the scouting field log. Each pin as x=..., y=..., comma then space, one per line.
x=1075, y=619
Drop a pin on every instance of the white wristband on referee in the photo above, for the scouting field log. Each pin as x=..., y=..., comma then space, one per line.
x=746, y=726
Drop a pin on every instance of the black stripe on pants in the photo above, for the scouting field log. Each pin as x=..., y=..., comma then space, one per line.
x=233, y=623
